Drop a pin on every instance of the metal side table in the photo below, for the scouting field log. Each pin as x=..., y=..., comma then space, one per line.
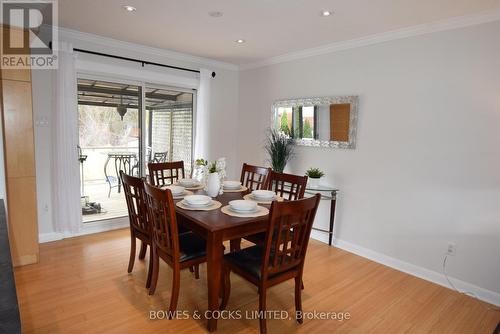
x=332, y=197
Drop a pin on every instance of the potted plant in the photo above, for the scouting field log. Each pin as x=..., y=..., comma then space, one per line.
x=280, y=147
x=314, y=174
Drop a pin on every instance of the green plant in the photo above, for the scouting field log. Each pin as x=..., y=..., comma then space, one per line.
x=201, y=162
x=308, y=131
x=284, y=124
x=314, y=173
x=212, y=168
x=280, y=149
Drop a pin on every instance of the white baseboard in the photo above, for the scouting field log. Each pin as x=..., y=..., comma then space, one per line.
x=320, y=236
x=48, y=237
x=87, y=228
x=423, y=273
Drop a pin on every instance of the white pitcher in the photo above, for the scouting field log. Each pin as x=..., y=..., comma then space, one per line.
x=213, y=184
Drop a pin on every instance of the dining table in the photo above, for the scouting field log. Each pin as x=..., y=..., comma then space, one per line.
x=216, y=227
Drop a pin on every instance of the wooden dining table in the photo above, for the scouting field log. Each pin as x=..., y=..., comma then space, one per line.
x=216, y=227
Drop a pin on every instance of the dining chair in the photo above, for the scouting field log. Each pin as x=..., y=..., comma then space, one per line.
x=254, y=177
x=165, y=173
x=290, y=187
x=179, y=251
x=140, y=227
x=280, y=258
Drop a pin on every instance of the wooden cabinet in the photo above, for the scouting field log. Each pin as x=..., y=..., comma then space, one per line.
x=19, y=157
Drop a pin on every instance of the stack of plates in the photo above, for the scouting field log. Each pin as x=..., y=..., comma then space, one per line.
x=188, y=183
x=263, y=195
x=242, y=206
x=197, y=201
x=231, y=185
x=176, y=190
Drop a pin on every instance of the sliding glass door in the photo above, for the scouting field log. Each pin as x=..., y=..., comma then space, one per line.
x=124, y=126
x=169, y=125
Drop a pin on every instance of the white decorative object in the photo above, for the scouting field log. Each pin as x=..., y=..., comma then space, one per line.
x=200, y=174
x=213, y=184
x=314, y=182
x=220, y=164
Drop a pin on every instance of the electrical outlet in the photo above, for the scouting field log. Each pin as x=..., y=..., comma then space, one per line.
x=452, y=249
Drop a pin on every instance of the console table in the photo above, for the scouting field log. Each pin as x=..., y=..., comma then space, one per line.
x=327, y=193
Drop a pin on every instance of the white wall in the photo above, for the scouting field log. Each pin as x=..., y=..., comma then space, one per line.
x=426, y=169
x=224, y=105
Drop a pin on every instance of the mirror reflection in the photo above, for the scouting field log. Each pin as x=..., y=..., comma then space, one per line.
x=318, y=121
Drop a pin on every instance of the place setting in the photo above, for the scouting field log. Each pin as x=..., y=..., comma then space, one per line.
x=190, y=184
x=178, y=192
x=198, y=203
x=263, y=197
x=233, y=186
x=244, y=209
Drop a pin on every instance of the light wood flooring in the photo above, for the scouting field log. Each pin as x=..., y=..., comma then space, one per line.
x=81, y=285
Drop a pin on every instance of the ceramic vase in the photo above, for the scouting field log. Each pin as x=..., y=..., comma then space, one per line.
x=213, y=184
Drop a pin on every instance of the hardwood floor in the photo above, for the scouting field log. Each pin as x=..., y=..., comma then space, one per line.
x=81, y=285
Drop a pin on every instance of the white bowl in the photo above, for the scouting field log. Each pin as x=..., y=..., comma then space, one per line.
x=264, y=194
x=187, y=182
x=243, y=205
x=195, y=200
x=231, y=184
x=176, y=190
x=204, y=205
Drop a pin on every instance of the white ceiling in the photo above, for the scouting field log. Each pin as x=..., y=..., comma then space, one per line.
x=270, y=27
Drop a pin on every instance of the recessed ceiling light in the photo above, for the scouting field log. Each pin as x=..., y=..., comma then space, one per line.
x=326, y=13
x=215, y=14
x=240, y=41
x=129, y=8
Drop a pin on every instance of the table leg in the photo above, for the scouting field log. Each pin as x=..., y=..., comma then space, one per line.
x=332, y=217
x=214, y=269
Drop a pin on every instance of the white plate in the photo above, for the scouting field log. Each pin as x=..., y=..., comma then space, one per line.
x=242, y=205
x=263, y=199
x=264, y=195
x=204, y=205
x=181, y=195
x=198, y=200
x=243, y=211
x=176, y=190
x=187, y=183
x=231, y=184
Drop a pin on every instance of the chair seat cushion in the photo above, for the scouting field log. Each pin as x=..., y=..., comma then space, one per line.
x=191, y=246
x=249, y=260
x=257, y=238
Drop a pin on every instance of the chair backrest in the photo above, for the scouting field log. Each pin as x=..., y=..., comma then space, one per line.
x=165, y=173
x=288, y=186
x=136, y=203
x=288, y=232
x=161, y=214
x=254, y=177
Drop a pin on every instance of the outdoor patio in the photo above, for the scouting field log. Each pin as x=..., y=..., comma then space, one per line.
x=112, y=207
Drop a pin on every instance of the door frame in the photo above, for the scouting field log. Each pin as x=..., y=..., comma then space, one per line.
x=88, y=70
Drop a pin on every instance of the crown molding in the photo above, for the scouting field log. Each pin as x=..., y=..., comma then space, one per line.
x=70, y=34
x=422, y=29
